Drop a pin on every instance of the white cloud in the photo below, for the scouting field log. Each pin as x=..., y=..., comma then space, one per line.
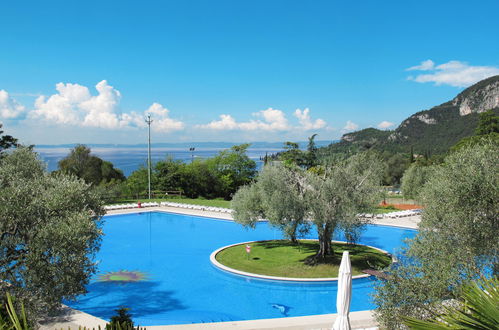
x=101, y=108
x=273, y=120
x=385, y=124
x=161, y=121
x=424, y=66
x=453, y=73
x=9, y=108
x=226, y=122
x=75, y=105
x=306, y=122
x=350, y=126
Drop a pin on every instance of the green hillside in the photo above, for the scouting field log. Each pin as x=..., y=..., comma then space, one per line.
x=431, y=131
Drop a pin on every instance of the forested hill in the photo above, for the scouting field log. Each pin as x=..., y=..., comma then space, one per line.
x=431, y=131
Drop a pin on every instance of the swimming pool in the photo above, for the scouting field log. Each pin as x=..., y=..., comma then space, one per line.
x=180, y=285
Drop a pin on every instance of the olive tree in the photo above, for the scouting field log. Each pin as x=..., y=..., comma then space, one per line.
x=50, y=229
x=330, y=197
x=414, y=179
x=457, y=241
x=277, y=195
x=336, y=196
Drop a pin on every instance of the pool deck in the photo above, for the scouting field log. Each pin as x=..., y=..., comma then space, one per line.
x=73, y=319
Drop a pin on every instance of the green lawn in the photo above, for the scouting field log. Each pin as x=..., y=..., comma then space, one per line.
x=197, y=201
x=282, y=258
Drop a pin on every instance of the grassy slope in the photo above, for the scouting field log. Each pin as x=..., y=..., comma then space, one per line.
x=281, y=258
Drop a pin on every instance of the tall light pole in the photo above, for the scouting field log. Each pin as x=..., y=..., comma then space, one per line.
x=148, y=122
x=192, y=153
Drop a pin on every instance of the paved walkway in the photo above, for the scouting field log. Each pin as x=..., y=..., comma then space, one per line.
x=74, y=319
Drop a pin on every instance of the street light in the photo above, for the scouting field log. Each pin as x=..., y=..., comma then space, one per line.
x=191, y=149
x=148, y=122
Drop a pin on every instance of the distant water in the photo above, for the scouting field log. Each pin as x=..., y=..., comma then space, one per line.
x=129, y=159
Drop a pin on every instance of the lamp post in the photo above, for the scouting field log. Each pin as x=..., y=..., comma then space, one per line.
x=191, y=149
x=148, y=122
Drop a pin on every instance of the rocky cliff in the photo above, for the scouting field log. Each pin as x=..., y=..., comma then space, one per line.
x=480, y=97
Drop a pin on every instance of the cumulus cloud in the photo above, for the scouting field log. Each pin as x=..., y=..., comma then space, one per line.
x=9, y=108
x=226, y=122
x=385, y=124
x=273, y=120
x=73, y=104
x=305, y=121
x=453, y=73
x=350, y=126
x=100, y=109
x=162, y=122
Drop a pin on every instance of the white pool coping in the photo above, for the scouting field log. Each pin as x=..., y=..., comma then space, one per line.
x=73, y=318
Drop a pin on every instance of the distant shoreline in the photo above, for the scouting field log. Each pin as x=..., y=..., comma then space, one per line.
x=221, y=145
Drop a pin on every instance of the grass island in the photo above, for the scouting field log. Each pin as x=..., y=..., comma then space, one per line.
x=283, y=258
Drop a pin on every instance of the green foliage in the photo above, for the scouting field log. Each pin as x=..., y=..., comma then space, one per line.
x=137, y=182
x=277, y=195
x=457, y=241
x=414, y=179
x=396, y=165
x=6, y=141
x=479, y=309
x=10, y=318
x=332, y=197
x=357, y=141
x=49, y=233
x=346, y=189
x=311, y=156
x=168, y=174
x=488, y=123
x=487, y=131
x=247, y=205
x=219, y=176
x=233, y=168
x=476, y=140
x=90, y=168
x=199, y=178
x=292, y=155
x=123, y=319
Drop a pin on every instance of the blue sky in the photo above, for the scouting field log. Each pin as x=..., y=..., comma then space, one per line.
x=89, y=71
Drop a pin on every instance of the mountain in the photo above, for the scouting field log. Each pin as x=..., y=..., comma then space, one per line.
x=431, y=131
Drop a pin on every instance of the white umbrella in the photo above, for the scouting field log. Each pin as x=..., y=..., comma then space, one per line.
x=344, y=294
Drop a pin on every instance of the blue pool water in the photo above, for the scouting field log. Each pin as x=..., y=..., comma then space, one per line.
x=182, y=286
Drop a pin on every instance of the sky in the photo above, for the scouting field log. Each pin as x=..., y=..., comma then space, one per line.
x=235, y=71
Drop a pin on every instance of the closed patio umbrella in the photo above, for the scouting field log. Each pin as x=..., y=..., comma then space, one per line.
x=344, y=294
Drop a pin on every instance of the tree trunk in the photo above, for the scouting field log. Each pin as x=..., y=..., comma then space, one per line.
x=292, y=234
x=325, y=247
